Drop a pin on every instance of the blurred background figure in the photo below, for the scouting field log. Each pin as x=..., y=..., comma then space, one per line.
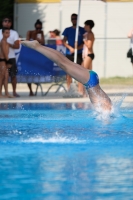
x=130, y=35
x=13, y=41
x=69, y=42
x=54, y=37
x=89, y=39
x=51, y=34
x=88, y=53
x=4, y=62
x=38, y=35
x=57, y=36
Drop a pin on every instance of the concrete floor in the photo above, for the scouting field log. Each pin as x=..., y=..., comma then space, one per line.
x=114, y=92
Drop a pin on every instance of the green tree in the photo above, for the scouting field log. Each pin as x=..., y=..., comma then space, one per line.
x=6, y=9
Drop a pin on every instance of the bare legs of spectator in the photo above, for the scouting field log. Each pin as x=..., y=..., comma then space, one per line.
x=87, y=63
x=4, y=80
x=69, y=81
x=14, y=84
x=30, y=88
x=2, y=73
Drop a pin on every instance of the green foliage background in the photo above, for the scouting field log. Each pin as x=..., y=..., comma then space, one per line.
x=6, y=9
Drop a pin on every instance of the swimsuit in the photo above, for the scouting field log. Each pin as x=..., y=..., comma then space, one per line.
x=91, y=55
x=6, y=61
x=93, y=80
x=2, y=60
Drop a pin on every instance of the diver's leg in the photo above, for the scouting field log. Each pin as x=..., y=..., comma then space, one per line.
x=76, y=71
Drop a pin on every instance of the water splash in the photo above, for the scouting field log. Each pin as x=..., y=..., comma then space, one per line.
x=117, y=102
x=107, y=116
x=57, y=138
x=72, y=92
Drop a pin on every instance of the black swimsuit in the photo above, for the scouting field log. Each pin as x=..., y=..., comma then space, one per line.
x=6, y=61
x=3, y=60
x=91, y=55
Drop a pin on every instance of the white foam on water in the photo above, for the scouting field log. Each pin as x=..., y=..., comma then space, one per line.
x=54, y=139
x=107, y=116
x=117, y=102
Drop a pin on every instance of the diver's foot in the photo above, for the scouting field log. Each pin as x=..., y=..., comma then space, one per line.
x=31, y=44
x=1, y=96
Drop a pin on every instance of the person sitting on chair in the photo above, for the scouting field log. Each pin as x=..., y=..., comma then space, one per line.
x=38, y=35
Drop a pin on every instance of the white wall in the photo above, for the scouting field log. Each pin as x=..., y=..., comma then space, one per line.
x=110, y=53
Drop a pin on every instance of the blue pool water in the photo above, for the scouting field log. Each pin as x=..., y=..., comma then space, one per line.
x=65, y=152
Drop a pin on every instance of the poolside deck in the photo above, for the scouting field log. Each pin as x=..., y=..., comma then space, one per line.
x=113, y=91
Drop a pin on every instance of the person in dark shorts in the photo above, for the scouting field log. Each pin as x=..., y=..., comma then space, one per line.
x=89, y=39
x=88, y=54
x=130, y=35
x=13, y=70
x=69, y=42
x=4, y=63
x=13, y=42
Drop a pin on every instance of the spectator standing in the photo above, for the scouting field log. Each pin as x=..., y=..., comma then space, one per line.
x=130, y=35
x=69, y=42
x=13, y=41
x=88, y=54
x=38, y=35
x=4, y=62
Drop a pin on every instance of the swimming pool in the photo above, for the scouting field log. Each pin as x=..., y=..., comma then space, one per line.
x=64, y=151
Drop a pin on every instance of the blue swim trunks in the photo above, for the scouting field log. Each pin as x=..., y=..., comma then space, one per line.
x=93, y=81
